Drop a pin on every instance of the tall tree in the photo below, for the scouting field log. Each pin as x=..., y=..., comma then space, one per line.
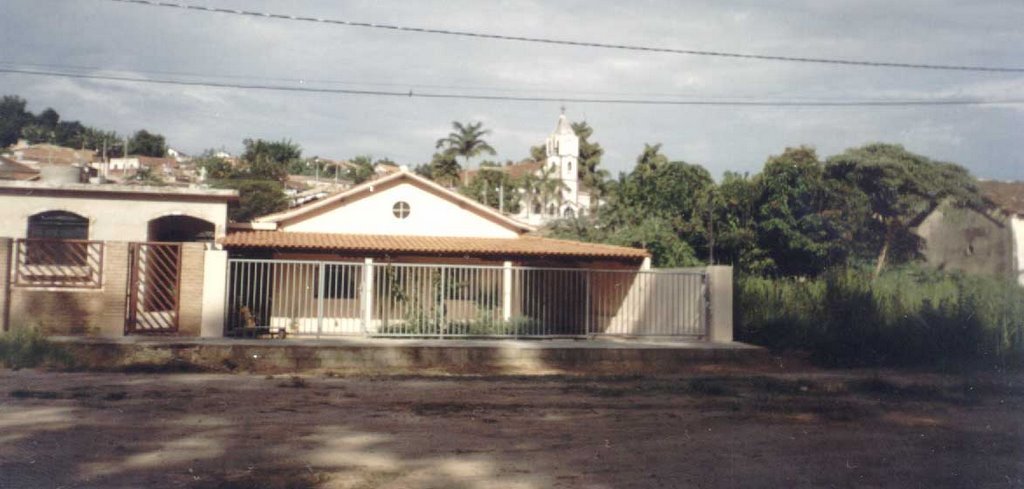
x=146, y=143
x=270, y=160
x=466, y=141
x=13, y=117
x=445, y=169
x=360, y=169
x=899, y=187
x=794, y=222
x=591, y=175
x=493, y=187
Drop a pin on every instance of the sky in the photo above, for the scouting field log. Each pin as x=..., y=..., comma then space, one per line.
x=111, y=38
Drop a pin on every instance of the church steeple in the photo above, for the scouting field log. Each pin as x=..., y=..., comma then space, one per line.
x=563, y=151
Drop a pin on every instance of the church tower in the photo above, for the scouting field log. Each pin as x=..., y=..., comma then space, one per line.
x=563, y=152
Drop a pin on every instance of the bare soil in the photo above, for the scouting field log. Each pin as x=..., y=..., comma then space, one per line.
x=734, y=429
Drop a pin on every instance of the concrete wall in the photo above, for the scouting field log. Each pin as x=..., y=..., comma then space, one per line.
x=111, y=217
x=430, y=215
x=967, y=240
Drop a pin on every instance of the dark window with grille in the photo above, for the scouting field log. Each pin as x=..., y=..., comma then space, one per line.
x=52, y=239
x=58, y=225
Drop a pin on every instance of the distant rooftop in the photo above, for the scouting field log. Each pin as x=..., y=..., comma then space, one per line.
x=1008, y=196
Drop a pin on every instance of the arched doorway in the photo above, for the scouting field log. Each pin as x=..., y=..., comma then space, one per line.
x=180, y=229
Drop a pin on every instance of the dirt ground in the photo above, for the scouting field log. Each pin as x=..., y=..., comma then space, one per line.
x=739, y=429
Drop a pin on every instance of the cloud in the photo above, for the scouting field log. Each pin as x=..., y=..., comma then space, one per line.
x=233, y=48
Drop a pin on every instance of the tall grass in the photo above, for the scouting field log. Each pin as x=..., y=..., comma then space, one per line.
x=29, y=348
x=908, y=316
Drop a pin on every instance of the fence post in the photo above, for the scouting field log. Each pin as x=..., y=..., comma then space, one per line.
x=366, y=294
x=506, y=291
x=321, y=270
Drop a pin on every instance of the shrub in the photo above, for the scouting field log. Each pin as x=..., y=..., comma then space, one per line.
x=28, y=348
x=907, y=316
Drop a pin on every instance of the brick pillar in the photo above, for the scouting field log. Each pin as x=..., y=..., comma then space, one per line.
x=110, y=321
x=5, y=282
x=190, y=300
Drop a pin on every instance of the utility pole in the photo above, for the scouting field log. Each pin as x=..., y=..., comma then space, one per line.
x=501, y=199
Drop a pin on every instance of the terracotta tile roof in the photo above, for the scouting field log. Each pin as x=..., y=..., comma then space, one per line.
x=517, y=170
x=521, y=246
x=49, y=153
x=1008, y=196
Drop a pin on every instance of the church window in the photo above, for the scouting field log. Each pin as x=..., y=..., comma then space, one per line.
x=552, y=210
x=569, y=213
x=401, y=209
x=570, y=166
x=537, y=208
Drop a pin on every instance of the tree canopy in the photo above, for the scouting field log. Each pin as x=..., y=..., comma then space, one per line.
x=467, y=141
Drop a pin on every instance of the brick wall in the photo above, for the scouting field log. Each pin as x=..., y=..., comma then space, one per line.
x=100, y=312
x=190, y=307
x=59, y=311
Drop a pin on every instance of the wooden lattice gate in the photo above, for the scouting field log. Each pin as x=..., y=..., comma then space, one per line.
x=154, y=288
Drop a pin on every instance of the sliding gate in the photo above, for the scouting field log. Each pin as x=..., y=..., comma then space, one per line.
x=319, y=298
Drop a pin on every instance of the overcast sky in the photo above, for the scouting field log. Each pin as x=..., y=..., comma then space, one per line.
x=136, y=40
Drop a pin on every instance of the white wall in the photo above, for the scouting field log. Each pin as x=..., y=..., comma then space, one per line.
x=110, y=217
x=430, y=215
x=1017, y=229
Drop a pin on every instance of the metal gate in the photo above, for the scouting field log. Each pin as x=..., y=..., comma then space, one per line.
x=154, y=288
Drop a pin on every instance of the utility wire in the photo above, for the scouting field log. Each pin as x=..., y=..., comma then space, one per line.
x=564, y=42
x=512, y=98
x=534, y=89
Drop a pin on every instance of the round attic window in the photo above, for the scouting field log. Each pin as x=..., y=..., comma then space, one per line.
x=401, y=209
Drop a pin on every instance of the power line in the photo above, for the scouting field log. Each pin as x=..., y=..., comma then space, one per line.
x=305, y=81
x=512, y=98
x=564, y=42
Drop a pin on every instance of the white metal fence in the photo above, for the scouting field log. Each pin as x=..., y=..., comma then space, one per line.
x=318, y=298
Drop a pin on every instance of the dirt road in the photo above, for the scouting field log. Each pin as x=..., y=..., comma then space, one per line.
x=833, y=429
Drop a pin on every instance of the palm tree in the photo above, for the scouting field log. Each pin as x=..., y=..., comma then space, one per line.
x=466, y=141
x=551, y=187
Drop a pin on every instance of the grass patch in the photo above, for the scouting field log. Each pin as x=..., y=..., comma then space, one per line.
x=909, y=316
x=29, y=348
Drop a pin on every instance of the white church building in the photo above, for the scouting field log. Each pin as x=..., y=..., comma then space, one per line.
x=565, y=199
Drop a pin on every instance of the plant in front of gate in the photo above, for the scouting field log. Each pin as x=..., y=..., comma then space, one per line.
x=27, y=347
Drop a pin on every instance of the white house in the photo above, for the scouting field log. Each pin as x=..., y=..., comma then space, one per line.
x=404, y=256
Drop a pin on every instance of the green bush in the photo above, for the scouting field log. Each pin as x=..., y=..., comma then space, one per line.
x=29, y=348
x=907, y=316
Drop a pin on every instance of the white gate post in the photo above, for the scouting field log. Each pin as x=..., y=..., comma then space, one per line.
x=720, y=303
x=366, y=294
x=506, y=291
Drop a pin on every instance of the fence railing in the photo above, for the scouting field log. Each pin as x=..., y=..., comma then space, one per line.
x=58, y=263
x=416, y=300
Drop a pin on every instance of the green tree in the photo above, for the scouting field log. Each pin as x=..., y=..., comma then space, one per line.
x=898, y=187
x=255, y=198
x=794, y=222
x=490, y=185
x=466, y=141
x=270, y=160
x=360, y=169
x=145, y=143
x=13, y=117
x=591, y=175
x=216, y=168
x=445, y=169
